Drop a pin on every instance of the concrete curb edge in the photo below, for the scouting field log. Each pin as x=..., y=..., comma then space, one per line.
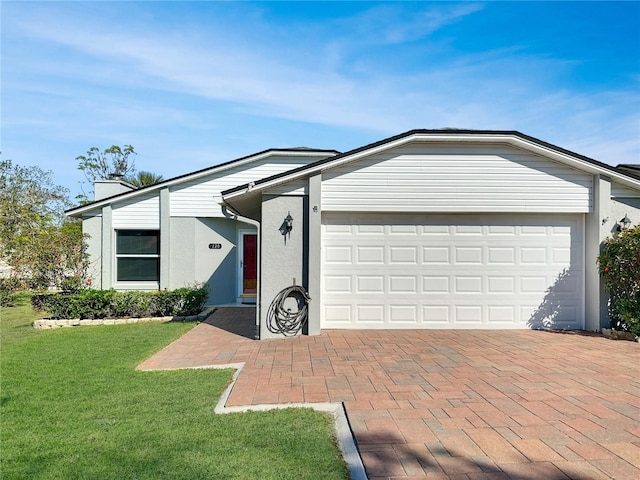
x=344, y=434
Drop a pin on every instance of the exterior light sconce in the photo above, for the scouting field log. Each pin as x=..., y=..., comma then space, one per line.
x=286, y=227
x=623, y=224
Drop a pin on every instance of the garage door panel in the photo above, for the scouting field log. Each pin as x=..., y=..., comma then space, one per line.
x=501, y=313
x=403, y=254
x=468, y=255
x=501, y=284
x=336, y=315
x=370, y=313
x=403, y=284
x=403, y=314
x=337, y=254
x=435, y=284
x=436, y=314
x=370, y=284
x=370, y=254
x=436, y=255
x=468, y=313
x=338, y=284
x=421, y=271
x=467, y=284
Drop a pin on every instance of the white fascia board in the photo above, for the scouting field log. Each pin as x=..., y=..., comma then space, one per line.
x=320, y=168
x=203, y=173
x=574, y=162
x=513, y=140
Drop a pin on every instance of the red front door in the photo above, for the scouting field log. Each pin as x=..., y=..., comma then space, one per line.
x=249, y=264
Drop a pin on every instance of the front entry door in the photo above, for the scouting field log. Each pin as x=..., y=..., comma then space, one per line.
x=249, y=264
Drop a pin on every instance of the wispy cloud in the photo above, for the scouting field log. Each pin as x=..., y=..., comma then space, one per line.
x=125, y=70
x=397, y=23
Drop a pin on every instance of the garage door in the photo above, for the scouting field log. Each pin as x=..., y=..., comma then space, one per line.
x=452, y=271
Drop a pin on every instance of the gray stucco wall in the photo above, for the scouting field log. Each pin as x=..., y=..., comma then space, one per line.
x=188, y=260
x=218, y=267
x=106, y=248
x=625, y=206
x=192, y=260
x=314, y=253
x=92, y=227
x=182, y=255
x=282, y=263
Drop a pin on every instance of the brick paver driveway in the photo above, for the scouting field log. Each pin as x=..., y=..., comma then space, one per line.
x=447, y=404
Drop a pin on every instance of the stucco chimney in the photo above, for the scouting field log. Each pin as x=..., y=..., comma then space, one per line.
x=113, y=186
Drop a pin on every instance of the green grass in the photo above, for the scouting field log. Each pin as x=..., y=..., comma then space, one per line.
x=72, y=406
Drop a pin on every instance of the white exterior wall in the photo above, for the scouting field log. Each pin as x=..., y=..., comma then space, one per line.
x=620, y=191
x=456, y=178
x=296, y=187
x=196, y=198
x=138, y=213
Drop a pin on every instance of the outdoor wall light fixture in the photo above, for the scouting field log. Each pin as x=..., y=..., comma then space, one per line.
x=286, y=227
x=623, y=224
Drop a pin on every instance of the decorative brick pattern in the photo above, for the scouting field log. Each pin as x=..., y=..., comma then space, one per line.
x=448, y=404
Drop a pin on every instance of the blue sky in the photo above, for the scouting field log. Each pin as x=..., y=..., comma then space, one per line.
x=194, y=84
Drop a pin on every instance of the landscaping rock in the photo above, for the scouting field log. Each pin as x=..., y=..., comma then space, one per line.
x=48, y=323
x=618, y=335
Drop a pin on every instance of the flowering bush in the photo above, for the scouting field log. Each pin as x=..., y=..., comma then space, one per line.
x=619, y=264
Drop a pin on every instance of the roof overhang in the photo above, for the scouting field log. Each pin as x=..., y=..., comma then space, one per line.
x=513, y=138
x=293, y=152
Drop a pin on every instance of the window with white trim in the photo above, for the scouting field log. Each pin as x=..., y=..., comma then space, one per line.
x=138, y=255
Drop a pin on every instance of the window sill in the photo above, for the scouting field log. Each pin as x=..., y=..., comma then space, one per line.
x=137, y=286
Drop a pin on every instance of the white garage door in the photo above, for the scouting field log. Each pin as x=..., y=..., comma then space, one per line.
x=452, y=271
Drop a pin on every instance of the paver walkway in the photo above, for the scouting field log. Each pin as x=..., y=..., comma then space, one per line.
x=446, y=404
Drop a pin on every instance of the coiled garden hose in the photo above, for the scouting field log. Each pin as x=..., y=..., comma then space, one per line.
x=280, y=319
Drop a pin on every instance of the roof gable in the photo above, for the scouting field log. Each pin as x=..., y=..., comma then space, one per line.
x=217, y=170
x=510, y=137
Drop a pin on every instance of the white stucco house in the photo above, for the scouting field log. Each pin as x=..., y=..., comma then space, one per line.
x=427, y=229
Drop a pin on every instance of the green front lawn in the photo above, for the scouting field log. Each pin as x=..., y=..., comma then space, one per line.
x=73, y=406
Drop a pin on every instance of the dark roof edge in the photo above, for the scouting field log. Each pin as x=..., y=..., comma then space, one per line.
x=203, y=170
x=515, y=133
x=630, y=169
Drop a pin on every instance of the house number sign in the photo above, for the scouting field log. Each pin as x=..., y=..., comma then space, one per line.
x=215, y=246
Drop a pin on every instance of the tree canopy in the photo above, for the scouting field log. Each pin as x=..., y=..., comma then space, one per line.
x=101, y=164
x=41, y=246
x=144, y=179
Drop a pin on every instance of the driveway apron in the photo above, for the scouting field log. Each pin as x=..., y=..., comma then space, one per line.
x=445, y=404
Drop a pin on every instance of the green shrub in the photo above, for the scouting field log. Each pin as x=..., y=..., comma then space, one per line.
x=188, y=300
x=131, y=304
x=8, y=288
x=619, y=265
x=92, y=304
x=71, y=284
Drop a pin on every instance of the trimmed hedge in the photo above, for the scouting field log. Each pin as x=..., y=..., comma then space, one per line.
x=92, y=304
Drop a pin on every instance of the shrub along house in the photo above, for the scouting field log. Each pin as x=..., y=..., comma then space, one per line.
x=427, y=229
